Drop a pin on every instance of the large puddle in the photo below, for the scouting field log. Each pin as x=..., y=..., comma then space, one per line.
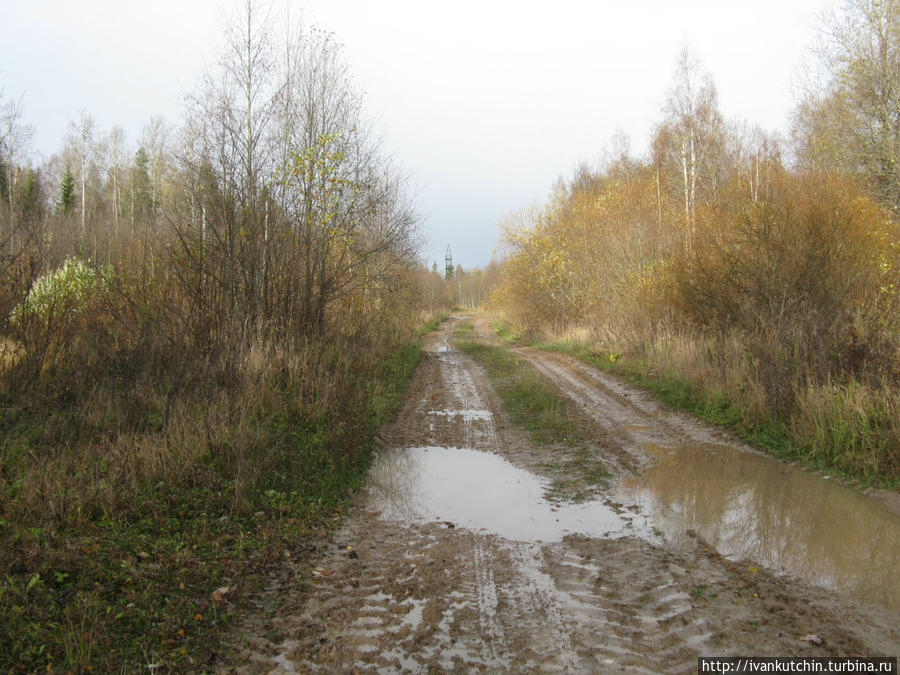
x=747, y=506
x=750, y=506
x=483, y=491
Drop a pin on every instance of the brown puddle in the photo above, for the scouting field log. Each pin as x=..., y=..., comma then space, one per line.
x=483, y=491
x=746, y=505
x=755, y=508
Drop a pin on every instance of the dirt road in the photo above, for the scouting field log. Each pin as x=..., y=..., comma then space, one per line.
x=456, y=560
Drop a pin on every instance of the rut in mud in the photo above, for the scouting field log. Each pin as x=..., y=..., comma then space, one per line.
x=456, y=560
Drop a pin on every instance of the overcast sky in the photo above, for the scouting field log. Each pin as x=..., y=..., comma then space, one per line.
x=485, y=103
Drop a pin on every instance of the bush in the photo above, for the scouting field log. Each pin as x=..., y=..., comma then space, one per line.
x=64, y=292
x=801, y=275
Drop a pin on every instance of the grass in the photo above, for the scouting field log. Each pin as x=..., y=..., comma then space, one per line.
x=532, y=403
x=432, y=322
x=536, y=406
x=831, y=434
x=99, y=573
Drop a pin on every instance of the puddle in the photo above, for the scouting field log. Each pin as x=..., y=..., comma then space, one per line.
x=482, y=491
x=467, y=415
x=748, y=506
x=752, y=507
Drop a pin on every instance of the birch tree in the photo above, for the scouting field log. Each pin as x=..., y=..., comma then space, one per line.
x=116, y=153
x=156, y=140
x=82, y=136
x=693, y=130
x=15, y=140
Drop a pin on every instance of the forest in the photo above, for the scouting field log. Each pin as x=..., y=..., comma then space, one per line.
x=201, y=331
x=200, y=336
x=750, y=278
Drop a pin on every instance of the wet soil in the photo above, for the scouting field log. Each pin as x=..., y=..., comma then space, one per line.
x=464, y=555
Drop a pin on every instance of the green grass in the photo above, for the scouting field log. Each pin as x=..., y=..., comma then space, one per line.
x=533, y=404
x=506, y=333
x=432, y=324
x=125, y=591
x=770, y=434
x=536, y=406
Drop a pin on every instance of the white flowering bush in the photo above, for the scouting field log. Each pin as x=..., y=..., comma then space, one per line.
x=63, y=291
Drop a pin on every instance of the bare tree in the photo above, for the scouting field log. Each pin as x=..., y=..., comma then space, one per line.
x=855, y=125
x=82, y=135
x=156, y=140
x=693, y=128
x=15, y=142
x=299, y=208
x=116, y=154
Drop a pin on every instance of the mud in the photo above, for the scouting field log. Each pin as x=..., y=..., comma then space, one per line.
x=462, y=557
x=746, y=504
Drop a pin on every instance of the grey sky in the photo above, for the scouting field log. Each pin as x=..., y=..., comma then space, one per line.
x=484, y=103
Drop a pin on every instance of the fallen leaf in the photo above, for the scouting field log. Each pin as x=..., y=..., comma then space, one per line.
x=221, y=592
x=812, y=637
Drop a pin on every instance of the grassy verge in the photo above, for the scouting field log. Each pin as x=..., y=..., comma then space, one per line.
x=828, y=437
x=431, y=323
x=537, y=407
x=102, y=574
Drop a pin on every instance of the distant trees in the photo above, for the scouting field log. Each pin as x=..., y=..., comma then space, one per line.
x=474, y=286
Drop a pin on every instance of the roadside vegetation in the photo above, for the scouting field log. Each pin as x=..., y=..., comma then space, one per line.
x=536, y=406
x=763, y=292
x=198, y=340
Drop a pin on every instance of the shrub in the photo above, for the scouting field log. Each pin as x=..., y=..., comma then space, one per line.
x=66, y=321
x=64, y=291
x=799, y=275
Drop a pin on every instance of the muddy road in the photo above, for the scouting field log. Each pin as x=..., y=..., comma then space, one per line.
x=460, y=558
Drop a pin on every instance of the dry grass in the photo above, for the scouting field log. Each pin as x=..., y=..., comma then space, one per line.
x=854, y=427
x=851, y=428
x=206, y=484
x=11, y=352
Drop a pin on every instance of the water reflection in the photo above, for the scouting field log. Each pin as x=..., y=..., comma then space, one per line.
x=483, y=491
x=747, y=506
x=751, y=506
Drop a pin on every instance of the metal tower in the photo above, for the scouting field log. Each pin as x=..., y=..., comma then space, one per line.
x=448, y=264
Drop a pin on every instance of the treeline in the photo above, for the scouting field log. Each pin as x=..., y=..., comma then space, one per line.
x=767, y=288
x=199, y=330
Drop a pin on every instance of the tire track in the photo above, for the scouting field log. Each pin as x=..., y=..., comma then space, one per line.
x=395, y=595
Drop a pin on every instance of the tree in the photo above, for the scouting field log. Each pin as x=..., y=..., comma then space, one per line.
x=115, y=165
x=299, y=210
x=31, y=201
x=854, y=126
x=67, y=193
x=82, y=137
x=155, y=142
x=141, y=191
x=15, y=138
x=691, y=138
